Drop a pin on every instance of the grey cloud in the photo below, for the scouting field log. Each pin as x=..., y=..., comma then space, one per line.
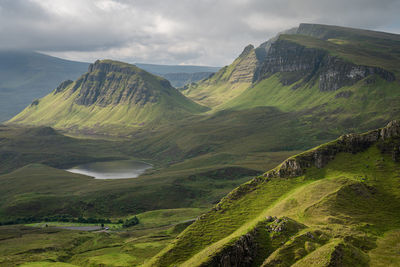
x=209, y=32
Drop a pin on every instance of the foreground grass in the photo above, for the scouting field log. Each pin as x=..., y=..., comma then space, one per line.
x=335, y=199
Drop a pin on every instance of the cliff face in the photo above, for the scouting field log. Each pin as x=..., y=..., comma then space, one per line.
x=248, y=251
x=351, y=143
x=296, y=63
x=108, y=83
x=245, y=67
x=336, y=73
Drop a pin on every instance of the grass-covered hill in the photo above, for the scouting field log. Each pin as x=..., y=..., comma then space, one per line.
x=25, y=76
x=112, y=97
x=345, y=75
x=334, y=205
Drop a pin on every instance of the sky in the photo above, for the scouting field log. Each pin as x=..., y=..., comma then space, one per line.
x=187, y=32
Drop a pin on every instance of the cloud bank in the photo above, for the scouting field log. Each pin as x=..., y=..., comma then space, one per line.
x=205, y=32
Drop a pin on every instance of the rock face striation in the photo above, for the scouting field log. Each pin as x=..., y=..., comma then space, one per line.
x=296, y=63
x=109, y=83
x=351, y=143
x=246, y=66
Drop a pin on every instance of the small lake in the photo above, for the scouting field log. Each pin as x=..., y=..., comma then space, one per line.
x=119, y=169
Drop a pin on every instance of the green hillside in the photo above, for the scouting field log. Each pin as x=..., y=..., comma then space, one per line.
x=112, y=95
x=227, y=83
x=335, y=205
x=306, y=66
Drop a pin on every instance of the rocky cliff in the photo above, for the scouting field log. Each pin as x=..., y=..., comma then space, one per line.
x=245, y=66
x=351, y=143
x=297, y=63
x=110, y=83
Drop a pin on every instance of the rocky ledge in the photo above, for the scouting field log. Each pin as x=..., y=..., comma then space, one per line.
x=351, y=143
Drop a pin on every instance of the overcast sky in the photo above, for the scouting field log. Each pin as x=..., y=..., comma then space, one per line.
x=203, y=32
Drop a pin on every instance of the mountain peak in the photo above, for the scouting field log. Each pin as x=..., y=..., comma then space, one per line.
x=108, y=65
x=247, y=50
x=111, y=82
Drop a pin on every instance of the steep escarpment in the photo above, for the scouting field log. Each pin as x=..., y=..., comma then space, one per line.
x=110, y=95
x=296, y=62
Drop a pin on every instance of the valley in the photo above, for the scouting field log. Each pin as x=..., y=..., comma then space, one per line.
x=275, y=160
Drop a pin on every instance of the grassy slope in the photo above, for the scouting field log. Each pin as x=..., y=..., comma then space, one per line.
x=60, y=110
x=334, y=199
x=220, y=87
x=368, y=106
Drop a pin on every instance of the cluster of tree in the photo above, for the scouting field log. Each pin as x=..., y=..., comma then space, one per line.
x=130, y=222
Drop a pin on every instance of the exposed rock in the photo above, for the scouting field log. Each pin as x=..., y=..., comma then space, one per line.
x=35, y=102
x=110, y=83
x=295, y=62
x=62, y=86
x=336, y=73
x=289, y=57
x=244, y=251
x=240, y=254
x=320, y=156
x=344, y=94
x=246, y=51
x=245, y=67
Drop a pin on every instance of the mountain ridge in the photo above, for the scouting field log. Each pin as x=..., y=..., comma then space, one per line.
x=237, y=237
x=332, y=56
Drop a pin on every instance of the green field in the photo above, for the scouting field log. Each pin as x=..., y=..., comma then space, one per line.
x=37, y=245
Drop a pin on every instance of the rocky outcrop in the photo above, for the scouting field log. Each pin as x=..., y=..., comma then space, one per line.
x=336, y=73
x=240, y=254
x=295, y=62
x=244, y=251
x=246, y=65
x=113, y=83
x=63, y=86
x=290, y=58
x=319, y=157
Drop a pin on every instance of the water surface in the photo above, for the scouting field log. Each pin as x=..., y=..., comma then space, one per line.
x=112, y=169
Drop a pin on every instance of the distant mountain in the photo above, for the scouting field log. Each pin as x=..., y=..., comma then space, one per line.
x=111, y=95
x=164, y=69
x=179, y=75
x=25, y=76
x=181, y=79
